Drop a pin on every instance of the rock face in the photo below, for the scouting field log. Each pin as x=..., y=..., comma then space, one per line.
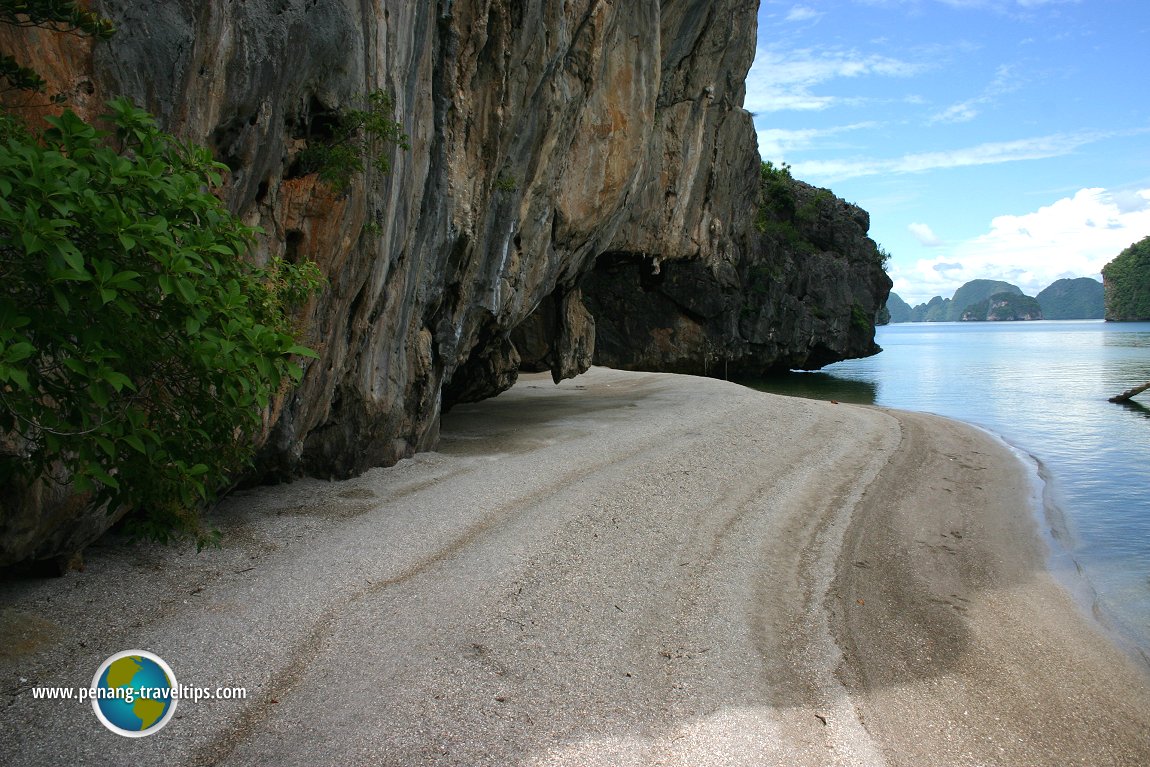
x=797, y=290
x=547, y=141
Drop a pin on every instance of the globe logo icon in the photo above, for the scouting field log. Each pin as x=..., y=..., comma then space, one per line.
x=134, y=693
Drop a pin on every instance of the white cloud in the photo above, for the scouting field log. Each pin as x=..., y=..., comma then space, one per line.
x=783, y=80
x=956, y=113
x=924, y=234
x=1003, y=6
x=776, y=143
x=802, y=13
x=991, y=153
x=1074, y=236
x=1006, y=81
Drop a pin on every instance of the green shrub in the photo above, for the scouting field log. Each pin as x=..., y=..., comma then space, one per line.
x=883, y=257
x=137, y=346
x=776, y=194
x=359, y=138
x=506, y=183
x=809, y=213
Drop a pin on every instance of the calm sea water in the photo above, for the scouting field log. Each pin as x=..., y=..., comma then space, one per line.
x=1043, y=387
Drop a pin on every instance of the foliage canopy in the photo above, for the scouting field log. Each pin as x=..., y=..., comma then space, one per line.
x=1127, y=284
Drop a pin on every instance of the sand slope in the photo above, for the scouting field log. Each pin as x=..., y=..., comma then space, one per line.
x=627, y=569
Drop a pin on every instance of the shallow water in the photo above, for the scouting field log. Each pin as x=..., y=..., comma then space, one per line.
x=1042, y=386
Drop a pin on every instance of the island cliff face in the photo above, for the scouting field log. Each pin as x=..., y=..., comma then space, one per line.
x=548, y=142
x=798, y=290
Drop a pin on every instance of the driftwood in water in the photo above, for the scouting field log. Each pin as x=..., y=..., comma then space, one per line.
x=1128, y=394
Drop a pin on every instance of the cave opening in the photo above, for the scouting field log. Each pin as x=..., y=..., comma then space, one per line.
x=630, y=265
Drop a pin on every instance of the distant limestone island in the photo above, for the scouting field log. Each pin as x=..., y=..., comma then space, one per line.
x=1124, y=296
x=997, y=301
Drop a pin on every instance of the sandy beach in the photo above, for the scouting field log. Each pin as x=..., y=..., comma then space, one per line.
x=625, y=569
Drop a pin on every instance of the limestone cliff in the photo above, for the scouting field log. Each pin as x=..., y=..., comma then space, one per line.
x=549, y=141
x=799, y=289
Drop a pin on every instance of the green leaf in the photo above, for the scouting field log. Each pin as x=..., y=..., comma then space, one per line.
x=62, y=300
x=103, y=477
x=302, y=351
x=118, y=381
x=20, y=378
x=135, y=443
x=20, y=351
x=125, y=279
x=72, y=257
x=186, y=290
x=106, y=445
x=99, y=394
x=32, y=242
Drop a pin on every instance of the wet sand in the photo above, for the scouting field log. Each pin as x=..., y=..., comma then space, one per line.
x=626, y=569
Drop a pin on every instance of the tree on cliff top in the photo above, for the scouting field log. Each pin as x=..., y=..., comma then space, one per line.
x=1126, y=281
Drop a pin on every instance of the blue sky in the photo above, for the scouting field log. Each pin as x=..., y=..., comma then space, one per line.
x=1002, y=139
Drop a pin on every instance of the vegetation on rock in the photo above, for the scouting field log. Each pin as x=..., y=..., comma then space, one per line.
x=779, y=214
x=1127, y=283
x=354, y=140
x=1073, y=299
x=1006, y=306
x=138, y=347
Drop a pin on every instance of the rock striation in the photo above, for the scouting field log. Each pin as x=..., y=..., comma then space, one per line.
x=555, y=149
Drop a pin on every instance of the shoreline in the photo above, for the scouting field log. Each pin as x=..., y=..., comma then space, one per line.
x=624, y=569
x=1025, y=655
x=1052, y=526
